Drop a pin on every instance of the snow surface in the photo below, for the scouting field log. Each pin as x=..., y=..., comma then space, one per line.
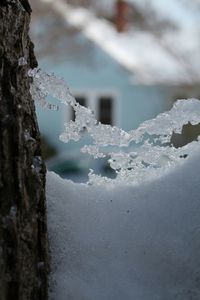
x=133, y=243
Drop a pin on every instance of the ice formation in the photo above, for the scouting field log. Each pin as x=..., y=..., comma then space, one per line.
x=138, y=154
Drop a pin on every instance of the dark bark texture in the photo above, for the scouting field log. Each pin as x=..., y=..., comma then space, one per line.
x=23, y=233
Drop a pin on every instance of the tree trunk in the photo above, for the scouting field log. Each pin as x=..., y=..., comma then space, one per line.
x=23, y=233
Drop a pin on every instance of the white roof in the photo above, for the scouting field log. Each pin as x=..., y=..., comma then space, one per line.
x=172, y=58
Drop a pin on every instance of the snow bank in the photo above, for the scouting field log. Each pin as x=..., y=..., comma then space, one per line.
x=132, y=243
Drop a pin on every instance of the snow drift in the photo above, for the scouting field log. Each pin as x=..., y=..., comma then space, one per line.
x=139, y=242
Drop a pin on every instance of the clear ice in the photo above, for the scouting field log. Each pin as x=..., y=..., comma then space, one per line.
x=137, y=155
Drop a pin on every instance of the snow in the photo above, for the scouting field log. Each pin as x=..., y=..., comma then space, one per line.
x=138, y=154
x=151, y=58
x=118, y=242
x=134, y=237
x=177, y=11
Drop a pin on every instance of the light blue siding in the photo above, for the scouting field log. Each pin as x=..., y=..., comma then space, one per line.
x=96, y=70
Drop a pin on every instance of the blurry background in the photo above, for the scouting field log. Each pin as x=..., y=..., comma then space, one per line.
x=127, y=60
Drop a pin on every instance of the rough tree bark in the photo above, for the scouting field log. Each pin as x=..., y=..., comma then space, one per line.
x=23, y=233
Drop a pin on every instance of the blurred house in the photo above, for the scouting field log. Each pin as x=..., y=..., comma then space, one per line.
x=131, y=65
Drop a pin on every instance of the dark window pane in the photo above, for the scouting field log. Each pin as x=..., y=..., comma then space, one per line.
x=81, y=101
x=105, y=110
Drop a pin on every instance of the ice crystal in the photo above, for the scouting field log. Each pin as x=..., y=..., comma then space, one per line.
x=38, y=88
x=139, y=154
x=93, y=150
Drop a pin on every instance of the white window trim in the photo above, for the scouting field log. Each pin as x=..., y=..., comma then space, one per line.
x=92, y=96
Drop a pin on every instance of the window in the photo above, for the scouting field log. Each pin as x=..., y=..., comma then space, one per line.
x=104, y=104
x=106, y=110
x=81, y=101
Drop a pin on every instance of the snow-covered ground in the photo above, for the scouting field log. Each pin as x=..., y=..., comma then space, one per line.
x=117, y=243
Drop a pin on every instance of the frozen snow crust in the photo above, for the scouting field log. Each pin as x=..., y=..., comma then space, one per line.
x=136, y=155
x=126, y=242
